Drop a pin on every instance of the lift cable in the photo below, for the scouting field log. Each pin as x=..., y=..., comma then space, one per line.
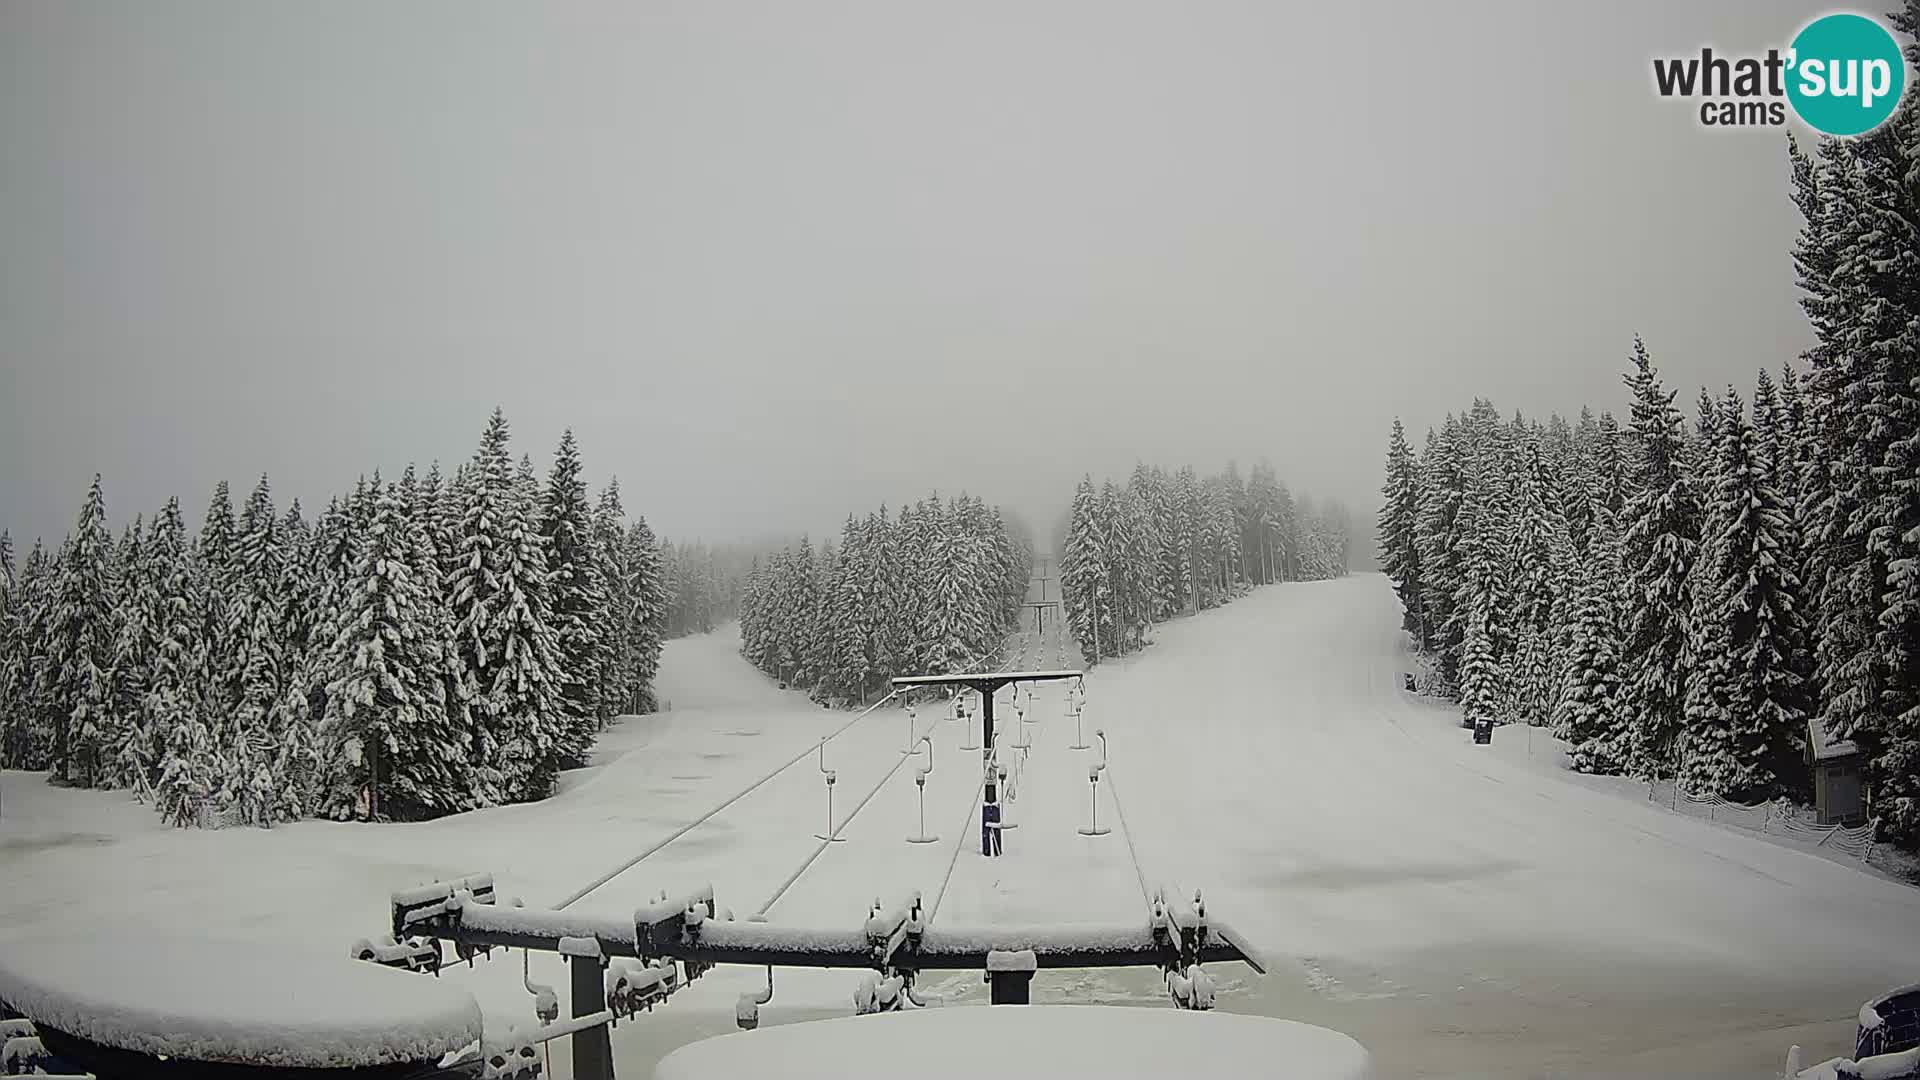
x=848, y=820
x=709, y=815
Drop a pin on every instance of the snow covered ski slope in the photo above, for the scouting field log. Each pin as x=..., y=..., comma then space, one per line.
x=1468, y=910
x=1461, y=910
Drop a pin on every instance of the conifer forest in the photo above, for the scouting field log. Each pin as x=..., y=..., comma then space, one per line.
x=1696, y=593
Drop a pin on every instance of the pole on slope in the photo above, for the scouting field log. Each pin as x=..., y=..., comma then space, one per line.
x=827, y=835
x=1093, y=788
x=920, y=781
x=986, y=739
x=968, y=743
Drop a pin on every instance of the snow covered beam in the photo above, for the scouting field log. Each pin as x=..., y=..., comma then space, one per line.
x=1176, y=935
x=991, y=679
x=766, y=944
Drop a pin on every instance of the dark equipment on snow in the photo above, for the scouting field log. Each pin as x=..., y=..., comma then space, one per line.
x=1898, y=1028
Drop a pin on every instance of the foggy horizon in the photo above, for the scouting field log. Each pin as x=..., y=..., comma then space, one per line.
x=774, y=267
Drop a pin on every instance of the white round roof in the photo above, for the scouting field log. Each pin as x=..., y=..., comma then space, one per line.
x=217, y=1001
x=1013, y=1042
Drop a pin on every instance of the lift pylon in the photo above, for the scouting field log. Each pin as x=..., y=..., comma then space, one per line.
x=986, y=684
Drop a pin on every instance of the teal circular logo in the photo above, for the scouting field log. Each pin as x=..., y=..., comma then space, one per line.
x=1845, y=74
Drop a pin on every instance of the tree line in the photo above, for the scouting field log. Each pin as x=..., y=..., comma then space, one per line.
x=426, y=645
x=930, y=591
x=705, y=583
x=1168, y=543
x=1682, y=600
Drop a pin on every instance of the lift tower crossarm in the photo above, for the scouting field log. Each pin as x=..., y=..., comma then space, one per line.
x=984, y=681
x=986, y=684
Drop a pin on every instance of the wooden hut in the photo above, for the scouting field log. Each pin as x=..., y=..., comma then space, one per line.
x=1839, y=791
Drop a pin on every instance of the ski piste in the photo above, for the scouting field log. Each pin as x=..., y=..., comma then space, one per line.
x=1054, y=893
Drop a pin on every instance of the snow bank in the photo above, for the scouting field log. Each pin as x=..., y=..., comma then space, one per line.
x=1013, y=1042
x=213, y=1001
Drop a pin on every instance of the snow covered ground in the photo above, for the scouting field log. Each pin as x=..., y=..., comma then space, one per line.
x=1461, y=910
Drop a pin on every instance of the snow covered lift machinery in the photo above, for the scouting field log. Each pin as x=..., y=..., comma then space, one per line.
x=622, y=966
x=986, y=684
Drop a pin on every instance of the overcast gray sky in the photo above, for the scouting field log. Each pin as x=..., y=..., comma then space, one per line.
x=776, y=261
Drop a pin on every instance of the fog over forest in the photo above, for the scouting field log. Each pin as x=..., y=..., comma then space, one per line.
x=774, y=264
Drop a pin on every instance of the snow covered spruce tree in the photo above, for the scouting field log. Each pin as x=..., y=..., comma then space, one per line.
x=613, y=647
x=213, y=564
x=499, y=595
x=26, y=740
x=394, y=748
x=1442, y=492
x=329, y=582
x=1538, y=565
x=1399, y=516
x=137, y=633
x=1483, y=595
x=14, y=650
x=78, y=661
x=1137, y=537
x=1083, y=572
x=257, y=642
x=1660, y=545
x=1591, y=713
x=800, y=608
x=577, y=602
x=645, y=624
x=1480, y=681
x=849, y=625
x=294, y=757
x=1746, y=735
x=1121, y=612
x=173, y=711
x=633, y=617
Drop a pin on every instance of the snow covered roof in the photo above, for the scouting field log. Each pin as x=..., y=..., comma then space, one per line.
x=1012, y=1042
x=216, y=1001
x=1824, y=746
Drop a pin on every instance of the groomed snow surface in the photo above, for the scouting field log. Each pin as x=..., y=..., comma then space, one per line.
x=1039, y=1042
x=1459, y=910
